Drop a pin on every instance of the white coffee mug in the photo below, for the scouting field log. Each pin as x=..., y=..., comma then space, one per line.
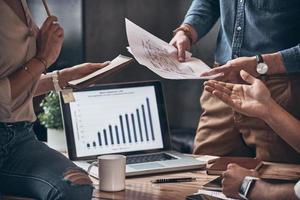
x=111, y=171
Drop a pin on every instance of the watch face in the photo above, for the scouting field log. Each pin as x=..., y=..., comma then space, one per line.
x=262, y=68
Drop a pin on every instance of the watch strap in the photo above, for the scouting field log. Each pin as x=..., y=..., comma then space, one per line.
x=246, y=186
x=259, y=59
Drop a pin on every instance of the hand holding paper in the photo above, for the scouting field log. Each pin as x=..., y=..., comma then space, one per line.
x=161, y=57
x=115, y=65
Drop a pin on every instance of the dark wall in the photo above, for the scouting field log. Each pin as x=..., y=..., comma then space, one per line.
x=70, y=17
x=105, y=38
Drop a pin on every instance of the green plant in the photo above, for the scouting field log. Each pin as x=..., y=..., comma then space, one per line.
x=51, y=117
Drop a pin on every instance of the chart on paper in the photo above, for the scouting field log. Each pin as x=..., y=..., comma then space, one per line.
x=115, y=120
x=161, y=57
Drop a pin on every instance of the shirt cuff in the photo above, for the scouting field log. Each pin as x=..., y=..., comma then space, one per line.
x=197, y=23
x=297, y=189
x=291, y=59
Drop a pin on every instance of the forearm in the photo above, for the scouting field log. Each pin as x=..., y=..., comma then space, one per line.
x=286, y=61
x=202, y=15
x=24, y=78
x=267, y=191
x=291, y=59
x=284, y=124
x=46, y=84
x=275, y=63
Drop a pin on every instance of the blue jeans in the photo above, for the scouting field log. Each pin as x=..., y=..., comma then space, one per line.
x=29, y=168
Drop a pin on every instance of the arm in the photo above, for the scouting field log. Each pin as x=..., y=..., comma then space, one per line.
x=268, y=191
x=202, y=15
x=49, y=44
x=65, y=75
x=255, y=100
x=233, y=178
x=291, y=59
x=231, y=70
x=200, y=18
x=286, y=61
x=283, y=123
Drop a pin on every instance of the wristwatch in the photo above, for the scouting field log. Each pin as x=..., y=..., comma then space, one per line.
x=246, y=185
x=55, y=81
x=261, y=68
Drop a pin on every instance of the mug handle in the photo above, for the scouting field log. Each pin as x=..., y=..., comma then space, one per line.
x=93, y=164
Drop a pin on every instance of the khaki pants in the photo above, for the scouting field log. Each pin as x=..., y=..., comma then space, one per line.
x=223, y=132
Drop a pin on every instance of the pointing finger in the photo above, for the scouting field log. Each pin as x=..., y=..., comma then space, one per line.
x=181, y=53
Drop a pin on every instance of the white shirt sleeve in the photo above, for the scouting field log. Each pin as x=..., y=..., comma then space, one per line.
x=297, y=189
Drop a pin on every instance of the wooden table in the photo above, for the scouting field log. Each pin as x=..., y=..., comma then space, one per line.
x=141, y=188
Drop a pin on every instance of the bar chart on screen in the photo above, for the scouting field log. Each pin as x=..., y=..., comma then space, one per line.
x=116, y=120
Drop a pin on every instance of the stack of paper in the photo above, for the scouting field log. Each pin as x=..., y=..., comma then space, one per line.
x=215, y=194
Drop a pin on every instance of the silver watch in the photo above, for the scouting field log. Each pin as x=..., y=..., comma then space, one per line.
x=246, y=185
x=261, y=68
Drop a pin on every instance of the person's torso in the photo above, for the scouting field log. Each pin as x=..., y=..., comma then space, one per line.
x=251, y=27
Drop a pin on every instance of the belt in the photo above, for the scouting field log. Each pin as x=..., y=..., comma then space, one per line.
x=14, y=124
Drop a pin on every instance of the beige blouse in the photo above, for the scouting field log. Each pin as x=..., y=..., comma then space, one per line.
x=17, y=46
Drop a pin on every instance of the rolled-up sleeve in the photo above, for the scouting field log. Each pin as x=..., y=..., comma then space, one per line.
x=5, y=98
x=291, y=59
x=202, y=15
x=297, y=189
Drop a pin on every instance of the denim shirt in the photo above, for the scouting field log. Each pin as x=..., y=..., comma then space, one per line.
x=251, y=27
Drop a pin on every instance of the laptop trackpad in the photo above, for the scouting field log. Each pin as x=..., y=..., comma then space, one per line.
x=146, y=166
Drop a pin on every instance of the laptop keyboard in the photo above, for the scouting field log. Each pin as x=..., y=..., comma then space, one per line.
x=147, y=158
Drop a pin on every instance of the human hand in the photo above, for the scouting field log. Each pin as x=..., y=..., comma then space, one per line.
x=79, y=71
x=252, y=100
x=232, y=179
x=231, y=70
x=182, y=43
x=50, y=40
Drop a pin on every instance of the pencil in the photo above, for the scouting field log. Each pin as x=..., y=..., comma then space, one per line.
x=46, y=7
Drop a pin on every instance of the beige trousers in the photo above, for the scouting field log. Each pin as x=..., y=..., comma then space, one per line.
x=223, y=132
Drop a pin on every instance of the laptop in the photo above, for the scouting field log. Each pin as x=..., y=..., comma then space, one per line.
x=124, y=118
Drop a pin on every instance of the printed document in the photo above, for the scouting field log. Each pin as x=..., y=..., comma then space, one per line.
x=215, y=194
x=161, y=57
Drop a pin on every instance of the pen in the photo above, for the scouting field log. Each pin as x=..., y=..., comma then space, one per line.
x=174, y=180
x=46, y=8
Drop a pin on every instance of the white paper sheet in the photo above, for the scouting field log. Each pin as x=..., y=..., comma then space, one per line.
x=160, y=57
x=216, y=194
x=113, y=64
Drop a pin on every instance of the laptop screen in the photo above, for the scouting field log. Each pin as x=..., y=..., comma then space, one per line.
x=115, y=119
